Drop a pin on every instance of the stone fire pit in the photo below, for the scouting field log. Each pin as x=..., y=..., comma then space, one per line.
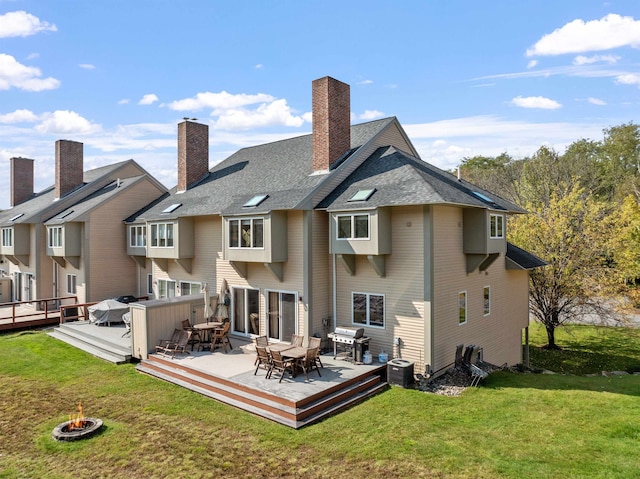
x=66, y=432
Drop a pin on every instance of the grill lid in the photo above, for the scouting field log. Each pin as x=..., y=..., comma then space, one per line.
x=349, y=332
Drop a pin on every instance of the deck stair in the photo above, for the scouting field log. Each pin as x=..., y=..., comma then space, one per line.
x=104, y=344
x=294, y=413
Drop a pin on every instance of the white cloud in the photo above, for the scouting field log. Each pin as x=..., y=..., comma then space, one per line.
x=17, y=75
x=532, y=63
x=65, y=122
x=535, y=102
x=267, y=114
x=22, y=24
x=218, y=101
x=259, y=66
x=371, y=115
x=32, y=56
x=628, y=79
x=124, y=101
x=19, y=116
x=596, y=101
x=308, y=117
x=611, y=31
x=148, y=99
x=87, y=66
x=365, y=82
x=582, y=60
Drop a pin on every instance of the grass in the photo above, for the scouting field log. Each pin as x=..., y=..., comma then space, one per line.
x=516, y=425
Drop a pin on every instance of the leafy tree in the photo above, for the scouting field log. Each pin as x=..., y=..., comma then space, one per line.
x=625, y=240
x=621, y=158
x=570, y=231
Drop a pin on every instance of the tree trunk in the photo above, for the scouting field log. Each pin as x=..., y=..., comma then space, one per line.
x=551, y=337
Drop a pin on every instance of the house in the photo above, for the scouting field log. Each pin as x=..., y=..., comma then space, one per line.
x=346, y=226
x=68, y=239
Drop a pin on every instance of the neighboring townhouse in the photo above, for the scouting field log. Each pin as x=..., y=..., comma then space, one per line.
x=67, y=239
x=343, y=227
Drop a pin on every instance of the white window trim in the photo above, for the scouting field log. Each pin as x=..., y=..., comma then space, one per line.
x=353, y=226
x=266, y=312
x=368, y=311
x=499, y=233
x=167, y=281
x=72, y=285
x=166, y=237
x=54, y=236
x=240, y=220
x=466, y=308
x=7, y=237
x=150, y=284
x=486, y=310
x=190, y=283
x=142, y=233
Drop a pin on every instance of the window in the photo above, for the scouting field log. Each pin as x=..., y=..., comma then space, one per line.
x=137, y=236
x=7, y=236
x=462, y=307
x=150, y=284
x=255, y=201
x=71, y=284
x=171, y=208
x=497, y=226
x=368, y=309
x=246, y=233
x=362, y=195
x=162, y=235
x=166, y=288
x=487, y=300
x=353, y=226
x=188, y=287
x=55, y=236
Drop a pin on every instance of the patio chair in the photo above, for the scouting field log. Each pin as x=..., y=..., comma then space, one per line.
x=262, y=341
x=255, y=327
x=309, y=362
x=314, y=343
x=220, y=338
x=278, y=363
x=263, y=360
x=296, y=340
x=176, y=345
x=195, y=334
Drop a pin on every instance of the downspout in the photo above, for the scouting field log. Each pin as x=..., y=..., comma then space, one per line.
x=335, y=289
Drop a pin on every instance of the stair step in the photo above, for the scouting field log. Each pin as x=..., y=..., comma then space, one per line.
x=258, y=402
x=102, y=343
x=90, y=348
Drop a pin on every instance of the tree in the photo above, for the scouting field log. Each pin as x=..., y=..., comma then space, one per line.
x=570, y=231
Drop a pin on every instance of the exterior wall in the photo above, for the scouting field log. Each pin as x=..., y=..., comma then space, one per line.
x=402, y=287
x=499, y=333
x=111, y=272
x=320, y=279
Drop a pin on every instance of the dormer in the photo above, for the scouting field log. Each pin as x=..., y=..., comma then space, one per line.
x=361, y=232
x=137, y=243
x=484, y=236
x=257, y=238
x=64, y=243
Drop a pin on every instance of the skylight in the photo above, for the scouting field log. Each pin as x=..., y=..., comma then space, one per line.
x=362, y=195
x=255, y=201
x=172, y=208
x=16, y=217
x=484, y=198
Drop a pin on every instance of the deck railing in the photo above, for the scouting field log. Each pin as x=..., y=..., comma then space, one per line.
x=47, y=310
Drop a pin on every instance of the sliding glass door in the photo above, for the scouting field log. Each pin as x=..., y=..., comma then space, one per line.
x=282, y=315
x=246, y=310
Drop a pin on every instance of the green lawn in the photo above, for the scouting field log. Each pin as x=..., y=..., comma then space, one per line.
x=515, y=425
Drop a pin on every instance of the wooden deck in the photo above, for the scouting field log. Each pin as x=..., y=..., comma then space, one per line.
x=295, y=402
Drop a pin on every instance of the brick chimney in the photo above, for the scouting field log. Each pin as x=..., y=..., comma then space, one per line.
x=69, y=166
x=193, y=153
x=21, y=180
x=331, y=121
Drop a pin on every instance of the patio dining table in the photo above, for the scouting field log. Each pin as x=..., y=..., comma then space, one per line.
x=296, y=353
x=205, y=329
x=279, y=347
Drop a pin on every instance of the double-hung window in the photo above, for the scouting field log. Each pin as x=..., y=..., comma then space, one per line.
x=189, y=287
x=162, y=235
x=55, y=236
x=353, y=226
x=368, y=309
x=246, y=233
x=7, y=236
x=496, y=226
x=166, y=288
x=137, y=236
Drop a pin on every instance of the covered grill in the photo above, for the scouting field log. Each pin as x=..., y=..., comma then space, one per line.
x=353, y=339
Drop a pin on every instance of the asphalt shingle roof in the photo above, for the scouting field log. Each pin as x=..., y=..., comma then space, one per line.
x=522, y=258
x=400, y=179
x=282, y=170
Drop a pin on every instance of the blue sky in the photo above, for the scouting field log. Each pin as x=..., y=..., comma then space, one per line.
x=463, y=77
